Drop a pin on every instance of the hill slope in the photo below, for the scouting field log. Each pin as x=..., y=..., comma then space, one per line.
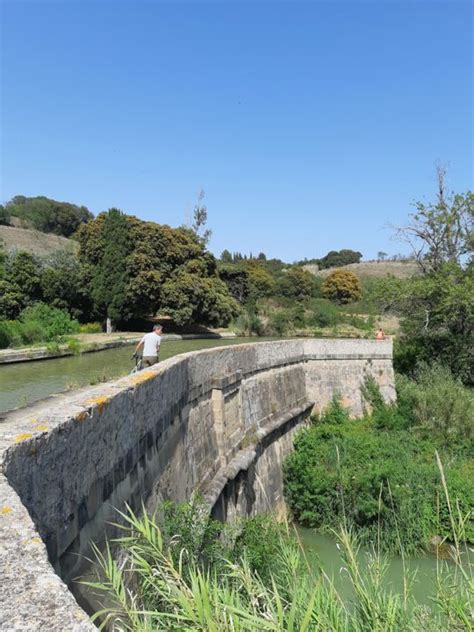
x=34, y=241
x=400, y=269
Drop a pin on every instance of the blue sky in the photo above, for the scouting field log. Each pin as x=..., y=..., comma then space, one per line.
x=310, y=125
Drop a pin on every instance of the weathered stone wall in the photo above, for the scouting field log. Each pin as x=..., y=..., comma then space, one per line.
x=219, y=421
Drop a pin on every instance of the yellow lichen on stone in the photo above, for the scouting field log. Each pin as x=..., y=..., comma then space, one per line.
x=143, y=376
x=36, y=540
x=23, y=437
x=6, y=509
x=82, y=416
x=100, y=402
x=41, y=427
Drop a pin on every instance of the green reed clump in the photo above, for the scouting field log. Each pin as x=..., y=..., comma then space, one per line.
x=161, y=586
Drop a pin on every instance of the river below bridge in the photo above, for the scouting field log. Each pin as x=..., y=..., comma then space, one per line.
x=23, y=383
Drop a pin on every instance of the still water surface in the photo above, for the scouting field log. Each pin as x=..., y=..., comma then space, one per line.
x=26, y=382
x=323, y=553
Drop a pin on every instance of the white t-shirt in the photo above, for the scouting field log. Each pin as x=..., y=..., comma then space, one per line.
x=151, y=344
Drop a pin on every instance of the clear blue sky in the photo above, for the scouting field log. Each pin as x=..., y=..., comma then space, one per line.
x=310, y=125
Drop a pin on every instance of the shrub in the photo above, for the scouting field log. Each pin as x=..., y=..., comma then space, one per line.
x=342, y=286
x=279, y=323
x=42, y=322
x=324, y=314
x=4, y=335
x=90, y=328
x=439, y=403
x=247, y=323
x=378, y=475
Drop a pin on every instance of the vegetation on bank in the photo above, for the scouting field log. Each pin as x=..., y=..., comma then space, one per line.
x=186, y=572
x=379, y=474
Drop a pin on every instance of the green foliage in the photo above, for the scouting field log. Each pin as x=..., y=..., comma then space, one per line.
x=261, y=281
x=5, y=216
x=298, y=284
x=437, y=311
x=48, y=215
x=154, y=590
x=50, y=322
x=342, y=286
x=336, y=259
x=324, y=313
x=438, y=403
x=109, y=278
x=38, y=323
x=236, y=278
x=90, y=328
x=248, y=324
x=378, y=474
x=64, y=284
x=139, y=268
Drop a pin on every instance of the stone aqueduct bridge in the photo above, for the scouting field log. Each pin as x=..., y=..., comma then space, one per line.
x=219, y=421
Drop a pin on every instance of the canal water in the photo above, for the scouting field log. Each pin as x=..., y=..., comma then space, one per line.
x=22, y=383
x=322, y=552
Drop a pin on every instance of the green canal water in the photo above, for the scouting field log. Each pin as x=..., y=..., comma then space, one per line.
x=22, y=383
x=322, y=552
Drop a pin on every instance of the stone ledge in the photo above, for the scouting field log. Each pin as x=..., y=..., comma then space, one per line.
x=245, y=457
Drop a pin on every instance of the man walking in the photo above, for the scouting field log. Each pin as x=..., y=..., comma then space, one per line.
x=151, y=346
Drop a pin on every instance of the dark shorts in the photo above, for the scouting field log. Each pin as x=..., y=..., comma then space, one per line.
x=150, y=360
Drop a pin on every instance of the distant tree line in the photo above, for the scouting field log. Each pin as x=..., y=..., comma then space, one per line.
x=45, y=215
x=335, y=259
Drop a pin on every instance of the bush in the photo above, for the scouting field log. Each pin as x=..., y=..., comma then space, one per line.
x=342, y=286
x=324, y=314
x=42, y=322
x=438, y=402
x=39, y=323
x=247, y=324
x=379, y=474
x=90, y=328
x=279, y=323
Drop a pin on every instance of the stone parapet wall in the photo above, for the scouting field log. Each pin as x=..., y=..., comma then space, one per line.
x=218, y=421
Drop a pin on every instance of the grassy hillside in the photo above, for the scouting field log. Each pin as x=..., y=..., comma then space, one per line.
x=400, y=269
x=33, y=241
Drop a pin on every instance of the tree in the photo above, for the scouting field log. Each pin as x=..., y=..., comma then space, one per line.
x=200, y=220
x=261, y=282
x=138, y=269
x=441, y=232
x=437, y=318
x=342, y=286
x=236, y=278
x=5, y=216
x=47, y=215
x=336, y=259
x=226, y=256
x=64, y=284
x=298, y=284
x=189, y=298
x=109, y=279
x=381, y=255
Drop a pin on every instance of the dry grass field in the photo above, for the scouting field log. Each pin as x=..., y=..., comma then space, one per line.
x=400, y=269
x=33, y=241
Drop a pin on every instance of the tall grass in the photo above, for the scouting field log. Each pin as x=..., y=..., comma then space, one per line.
x=153, y=588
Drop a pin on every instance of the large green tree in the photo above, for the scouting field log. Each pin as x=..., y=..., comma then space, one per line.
x=141, y=268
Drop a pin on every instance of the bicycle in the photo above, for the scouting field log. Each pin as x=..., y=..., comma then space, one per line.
x=138, y=363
